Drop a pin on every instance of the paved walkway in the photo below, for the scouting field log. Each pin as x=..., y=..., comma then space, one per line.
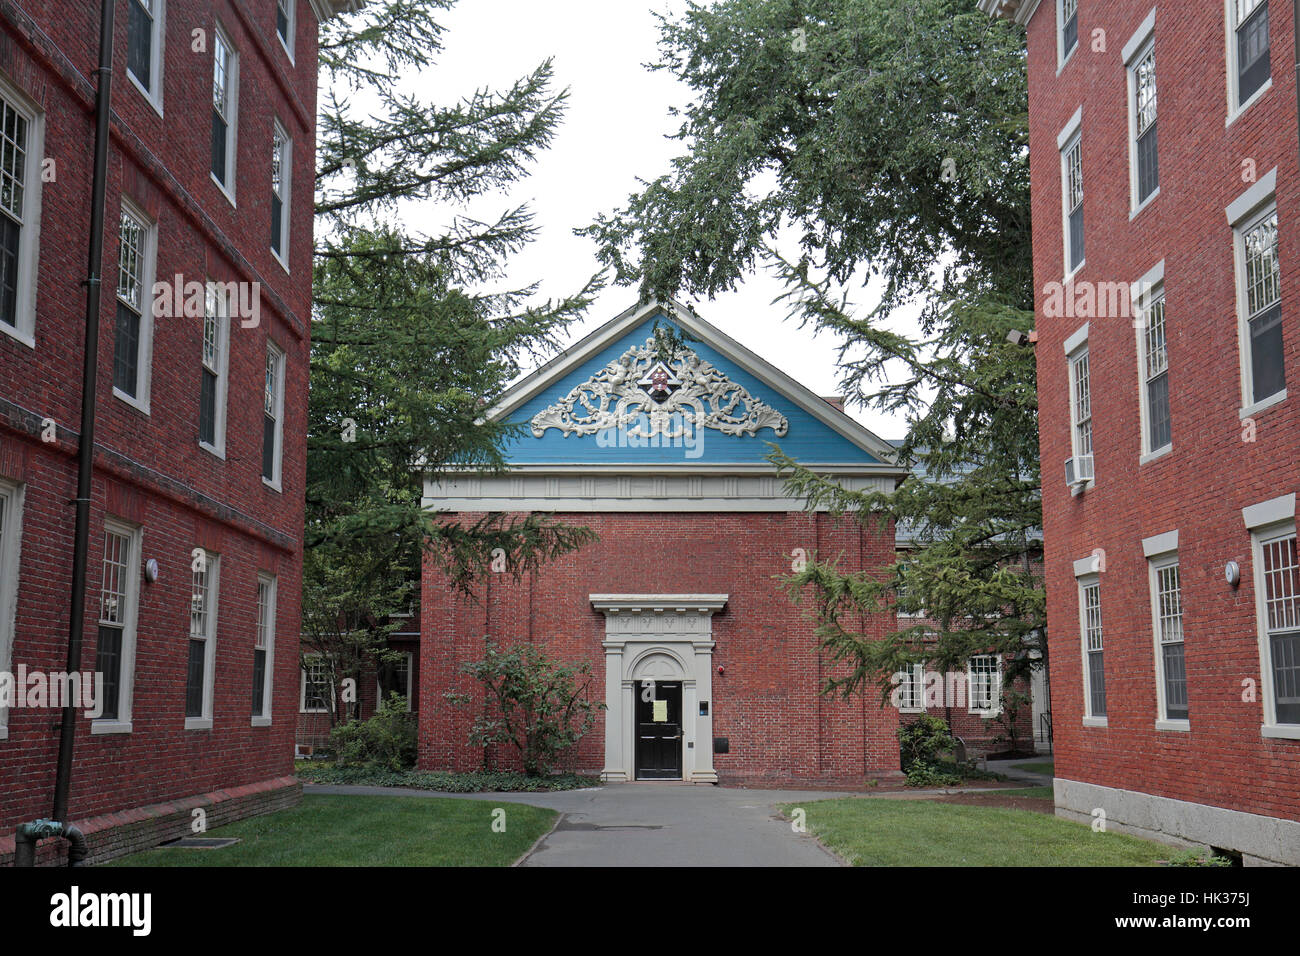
x=656, y=824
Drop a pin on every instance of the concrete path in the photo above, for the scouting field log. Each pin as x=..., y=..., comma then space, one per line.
x=656, y=824
x=1014, y=771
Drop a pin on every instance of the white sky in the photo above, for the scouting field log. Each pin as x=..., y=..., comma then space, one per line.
x=613, y=133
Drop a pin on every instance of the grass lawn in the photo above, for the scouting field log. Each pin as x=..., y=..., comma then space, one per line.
x=1043, y=766
x=368, y=831
x=879, y=831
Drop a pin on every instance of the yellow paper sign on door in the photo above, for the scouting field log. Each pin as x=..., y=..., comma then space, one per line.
x=661, y=711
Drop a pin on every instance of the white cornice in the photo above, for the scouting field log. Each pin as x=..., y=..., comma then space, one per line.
x=325, y=9
x=613, y=604
x=1018, y=10
x=584, y=349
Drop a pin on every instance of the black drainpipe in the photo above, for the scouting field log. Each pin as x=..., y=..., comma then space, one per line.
x=86, y=449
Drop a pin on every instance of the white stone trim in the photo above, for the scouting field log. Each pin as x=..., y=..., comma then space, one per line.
x=1261, y=840
x=1077, y=339
x=1139, y=38
x=649, y=490
x=1069, y=129
x=1089, y=565
x=1273, y=511
x=1144, y=286
x=1260, y=192
x=1160, y=544
x=676, y=628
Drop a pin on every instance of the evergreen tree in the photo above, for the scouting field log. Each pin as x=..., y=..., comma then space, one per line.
x=414, y=333
x=890, y=140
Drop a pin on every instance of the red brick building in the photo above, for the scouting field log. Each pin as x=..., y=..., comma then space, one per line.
x=707, y=670
x=1166, y=254
x=197, y=507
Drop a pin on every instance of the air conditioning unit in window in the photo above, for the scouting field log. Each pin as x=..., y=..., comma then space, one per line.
x=1078, y=470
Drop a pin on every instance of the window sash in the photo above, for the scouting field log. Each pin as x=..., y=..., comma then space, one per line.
x=984, y=677
x=14, y=133
x=1096, y=684
x=1148, y=162
x=1093, y=633
x=108, y=661
x=195, y=677
x=1069, y=26
x=139, y=42
x=1081, y=404
x=284, y=21
x=1252, y=50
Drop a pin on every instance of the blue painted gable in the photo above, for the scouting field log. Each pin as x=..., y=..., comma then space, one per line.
x=807, y=439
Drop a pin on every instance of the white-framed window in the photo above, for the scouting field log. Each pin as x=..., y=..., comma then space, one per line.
x=145, y=35
x=1259, y=297
x=11, y=533
x=119, y=598
x=264, y=649
x=285, y=24
x=1144, y=163
x=281, y=172
x=214, y=364
x=22, y=130
x=1080, y=385
x=202, y=647
x=1072, y=202
x=1153, y=373
x=1272, y=527
x=225, y=111
x=395, y=678
x=1067, y=34
x=1167, y=622
x=273, y=416
x=909, y=684
x=133, y=336
x=316, y=694
x=1094, y=671
x=984, y=684
x=1249, y=72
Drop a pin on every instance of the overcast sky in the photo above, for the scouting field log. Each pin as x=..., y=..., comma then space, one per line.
x=614, y=132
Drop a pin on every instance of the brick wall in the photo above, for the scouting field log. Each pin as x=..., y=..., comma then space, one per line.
x=1201, y=486
x=149, y=468
x=767, y=669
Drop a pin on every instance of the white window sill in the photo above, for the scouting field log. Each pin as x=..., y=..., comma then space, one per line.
x=1153, y=455
x=1182, y=726
x=150, y=98
x=198, y=723
x=273, y=485
x=260, y=722
x=224, y=191
x=280, y=259
x=986, y=714
x=20, y=335
x=901, y=710
x=285, y=46
x=1094, y=722
x=1280, y=731
x=304, y=710
x=110, y=726
x=1251, y=410
x=1234, y=114
x=1071, y=273
x=135, y=403
x=4, y=732
x=1133, y=213
x=213, y=450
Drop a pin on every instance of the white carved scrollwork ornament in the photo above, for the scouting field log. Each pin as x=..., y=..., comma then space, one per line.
x=645, y=396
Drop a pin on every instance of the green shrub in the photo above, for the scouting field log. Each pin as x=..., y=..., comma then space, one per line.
x=387, y=740
x=923, y=740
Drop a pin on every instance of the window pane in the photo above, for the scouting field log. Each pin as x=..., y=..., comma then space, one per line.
x=108, y=661
x=277, y=217
x=1267, y=375
x=1070, y=32
x=219, y=147
x=1175, y=681
x=268, y=448
x=1252, y=53
x=194, y=679
x=1159, y=428
x=259, y=683
x=1148, y=163
x=13, y=161
x=208, y=408
x=9, y=241
x=1096, y=684
x=126, y=349
x=1263, y=276
x=139, y=41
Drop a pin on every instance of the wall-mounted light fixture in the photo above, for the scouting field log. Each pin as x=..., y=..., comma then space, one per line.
x=151, y=570
x=1232, y=573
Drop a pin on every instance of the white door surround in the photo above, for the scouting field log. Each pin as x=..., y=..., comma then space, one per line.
x=659, y=637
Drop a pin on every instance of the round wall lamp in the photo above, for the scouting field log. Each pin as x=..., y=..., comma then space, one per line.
x=1232, y=573
x=722, y=669
x=151, y=570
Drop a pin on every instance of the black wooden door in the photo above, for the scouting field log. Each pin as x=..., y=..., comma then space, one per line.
x=659, y=730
